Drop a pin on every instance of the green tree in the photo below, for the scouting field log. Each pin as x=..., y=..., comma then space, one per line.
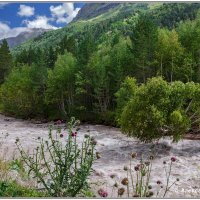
x=61, y=84
x=18, y=94
x=124, y=95
x=169, y=52
x=144, y=38
x=159, y=109
x=5, y=60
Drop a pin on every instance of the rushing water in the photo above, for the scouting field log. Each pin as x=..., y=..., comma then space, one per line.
x=115, y=148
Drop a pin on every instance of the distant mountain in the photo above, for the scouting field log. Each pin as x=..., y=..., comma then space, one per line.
x=24, y=36
x=90, y=10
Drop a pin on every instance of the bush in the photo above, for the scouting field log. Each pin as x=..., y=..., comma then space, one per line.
x=62, y=169
x=12, y=189
x=159, y=109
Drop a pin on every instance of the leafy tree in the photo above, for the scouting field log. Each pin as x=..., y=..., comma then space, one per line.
x=169, y=52
x=159, y=109
x=5, y=60
x=50, y=57
x=18, y=94
x=124, y=94
x=143, y=37
x=60, y=84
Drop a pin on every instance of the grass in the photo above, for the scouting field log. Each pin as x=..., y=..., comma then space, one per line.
x=12, y=189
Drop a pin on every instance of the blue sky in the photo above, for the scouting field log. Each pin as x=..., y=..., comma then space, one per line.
x=18, y=17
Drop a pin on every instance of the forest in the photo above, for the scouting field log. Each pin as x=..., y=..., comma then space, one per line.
x=112, y=72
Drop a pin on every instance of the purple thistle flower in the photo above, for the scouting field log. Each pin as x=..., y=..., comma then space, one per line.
x=173, y=159
x=102, y=193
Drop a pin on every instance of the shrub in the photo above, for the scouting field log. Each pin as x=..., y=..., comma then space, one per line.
x=159, y=109
x=12, y=189
x=62, y=169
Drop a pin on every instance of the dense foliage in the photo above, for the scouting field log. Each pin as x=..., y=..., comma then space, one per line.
x=157, y=109
x=79, y=70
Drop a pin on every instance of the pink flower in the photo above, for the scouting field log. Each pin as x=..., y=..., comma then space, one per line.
x=102, y=193
x=173, y=159
x=158, y=182
x=74, y=134
x=137, y=168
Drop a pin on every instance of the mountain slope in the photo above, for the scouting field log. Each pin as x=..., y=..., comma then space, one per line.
x=94, y=9
x=105, y=15
x=24, y=36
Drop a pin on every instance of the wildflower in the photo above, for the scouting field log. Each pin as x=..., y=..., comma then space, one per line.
x=147, y=163
x=61, y=135
x=125, y=168
x=125, y=181
x=102, y=193
x=17, y=140
x=151, y=157
x=98, y=155
x=159, y=182
x=94, y=142
x=116, y=185
x=173, y=159
x=136, y=168
x=149, y=187
x=121, y=191
x=74, y=134
x=150, y=193
x=141, y=166
x=134, y=155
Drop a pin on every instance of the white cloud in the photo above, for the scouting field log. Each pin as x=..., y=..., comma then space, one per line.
x=26, y=11
x=64, y=13
x=39, y=22
x=6, y=31
x=2, y=4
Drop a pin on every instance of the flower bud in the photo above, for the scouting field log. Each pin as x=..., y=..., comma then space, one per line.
x=121, y=191
x=124, y=181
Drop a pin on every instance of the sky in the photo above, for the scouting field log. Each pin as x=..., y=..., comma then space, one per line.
x=19, y=17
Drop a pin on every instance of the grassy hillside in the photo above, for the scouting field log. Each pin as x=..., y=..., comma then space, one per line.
x=167, y=14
